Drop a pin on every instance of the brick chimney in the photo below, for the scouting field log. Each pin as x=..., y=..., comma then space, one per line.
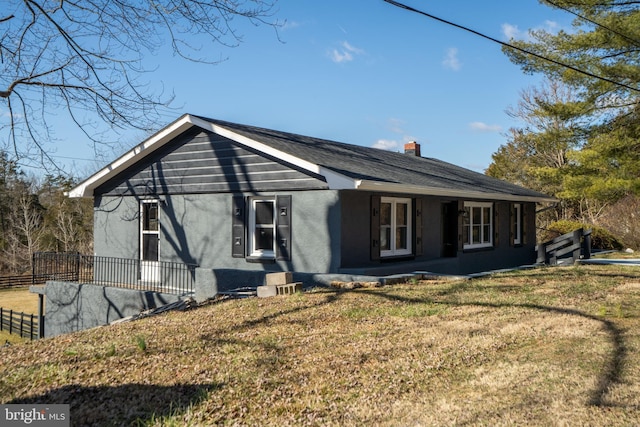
x=412, y=148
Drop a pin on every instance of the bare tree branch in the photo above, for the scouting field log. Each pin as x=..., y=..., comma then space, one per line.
x=84, y=59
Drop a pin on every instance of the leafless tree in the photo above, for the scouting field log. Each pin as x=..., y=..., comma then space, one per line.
x=25, y=231
x=83, y=59
x=68, y=224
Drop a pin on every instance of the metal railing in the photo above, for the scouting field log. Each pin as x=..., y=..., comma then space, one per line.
x=155, y=276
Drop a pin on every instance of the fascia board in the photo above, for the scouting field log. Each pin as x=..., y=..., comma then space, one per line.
x=148, y=146
x=378, y=186
x=335, y=180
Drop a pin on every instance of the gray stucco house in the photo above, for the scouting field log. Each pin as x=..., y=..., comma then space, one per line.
x=242, y=201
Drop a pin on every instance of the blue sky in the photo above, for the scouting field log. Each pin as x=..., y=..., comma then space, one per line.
x=362, y=72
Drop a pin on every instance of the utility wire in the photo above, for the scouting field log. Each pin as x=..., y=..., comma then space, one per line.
x=632, y=40
x=544, y=58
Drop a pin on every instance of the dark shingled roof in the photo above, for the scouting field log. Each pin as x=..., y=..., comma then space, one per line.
x=372, y=164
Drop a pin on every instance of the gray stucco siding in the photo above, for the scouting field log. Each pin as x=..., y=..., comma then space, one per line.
x=504, y=253
x=330, y=234
x=116, y=227
x=196, y=229
x=73, y=307
x=356, y=227
x=356, y=255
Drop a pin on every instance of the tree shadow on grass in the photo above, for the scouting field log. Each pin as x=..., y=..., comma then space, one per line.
x=126, y=404
x=609, y=376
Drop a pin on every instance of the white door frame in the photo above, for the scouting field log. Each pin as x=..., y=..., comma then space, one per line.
x=149, y=228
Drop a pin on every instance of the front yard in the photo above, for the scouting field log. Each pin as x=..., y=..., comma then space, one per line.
x=551, y=346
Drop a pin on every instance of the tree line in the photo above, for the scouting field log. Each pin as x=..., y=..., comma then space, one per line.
x=35, y=216
x=580, y=135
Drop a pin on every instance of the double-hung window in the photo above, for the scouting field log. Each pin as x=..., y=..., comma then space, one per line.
x=149, y=230
x=395, y=226
x=262, y=228
x=477, y=225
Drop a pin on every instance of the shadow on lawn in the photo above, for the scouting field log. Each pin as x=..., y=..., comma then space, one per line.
x=610, y=375
x=126, y=404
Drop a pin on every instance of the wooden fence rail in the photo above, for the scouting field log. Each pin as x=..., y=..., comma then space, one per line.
x=19, y=323
x=572, y=246
x=21, y=280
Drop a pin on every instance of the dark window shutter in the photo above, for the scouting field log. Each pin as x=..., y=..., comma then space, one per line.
x=461, y=229
x=375, y=228
x=283, y=228
x=418, y=221
x=496, y=226
x=525, y=222
x=238, y=226
x=512, y=224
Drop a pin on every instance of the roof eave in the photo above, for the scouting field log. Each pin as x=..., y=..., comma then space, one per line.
x=380, y=186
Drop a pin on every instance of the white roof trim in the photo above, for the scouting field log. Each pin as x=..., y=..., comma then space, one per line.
x=335, y=180
x=389, y=187
x=86, y=187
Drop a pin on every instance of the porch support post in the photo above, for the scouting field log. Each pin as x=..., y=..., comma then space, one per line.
x=40, y=315
x=41, y=291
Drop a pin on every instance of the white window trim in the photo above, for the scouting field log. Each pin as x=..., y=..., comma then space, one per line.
x=517, y=223
x=488, y=244
x=393, y=251
x=144, y=232
x=261, y=253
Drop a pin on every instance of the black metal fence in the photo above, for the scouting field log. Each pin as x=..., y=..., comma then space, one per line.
x=156, y=276
x=19, y=323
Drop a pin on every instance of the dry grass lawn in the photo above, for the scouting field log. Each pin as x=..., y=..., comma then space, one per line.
x=17, y=299
x=555, y=346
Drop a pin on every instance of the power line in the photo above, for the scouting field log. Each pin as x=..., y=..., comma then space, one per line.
x=624, y=36
x=73, y=158
x=544, y=58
